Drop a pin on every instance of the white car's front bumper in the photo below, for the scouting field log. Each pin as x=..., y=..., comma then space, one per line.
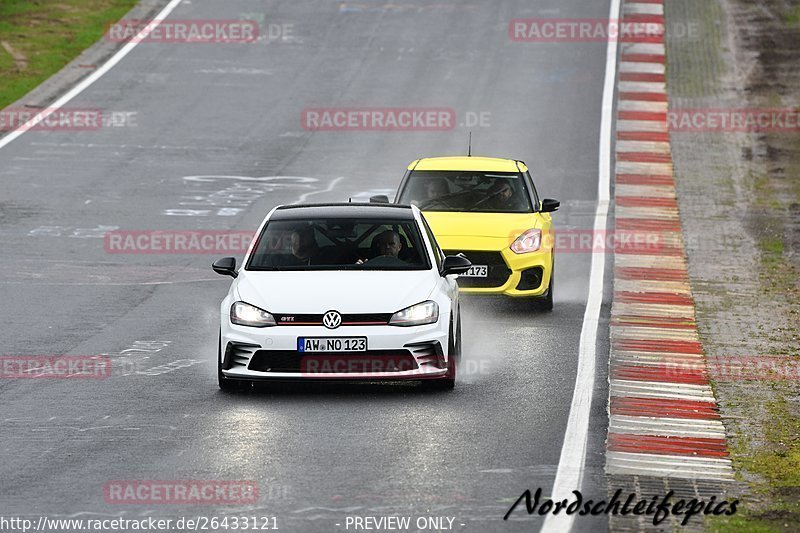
x=267, y=353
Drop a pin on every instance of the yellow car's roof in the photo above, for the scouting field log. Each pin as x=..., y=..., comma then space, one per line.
x=488, y=164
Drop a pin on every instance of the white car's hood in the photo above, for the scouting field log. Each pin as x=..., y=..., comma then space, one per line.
x=343, y=291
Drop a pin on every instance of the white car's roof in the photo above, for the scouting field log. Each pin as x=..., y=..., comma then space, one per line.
x=343, y=210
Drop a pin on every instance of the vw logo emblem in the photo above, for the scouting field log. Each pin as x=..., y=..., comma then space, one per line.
x=332, y=320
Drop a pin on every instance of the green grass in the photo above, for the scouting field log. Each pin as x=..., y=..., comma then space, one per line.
x=793, y=17
x=775, y=463
x=49, y=34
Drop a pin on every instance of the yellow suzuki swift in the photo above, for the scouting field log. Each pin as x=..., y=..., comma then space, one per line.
x=488, y=209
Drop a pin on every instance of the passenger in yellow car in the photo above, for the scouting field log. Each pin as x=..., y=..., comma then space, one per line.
x=435, y=188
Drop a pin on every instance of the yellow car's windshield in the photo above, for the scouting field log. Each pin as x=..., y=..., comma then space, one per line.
x=477, y=191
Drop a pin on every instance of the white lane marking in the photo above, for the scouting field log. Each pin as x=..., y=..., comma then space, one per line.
x=656, y=49
x=637, y=8
x=96, y=75
x=671, y=262
x=669, y=465
x=662, y=389
x=240, y=193
x=650, y=169
x=674, y=360
x=642, y=105
x=272, y=181
x=569, y=475
x=651, y=191
x=677, y=362
x=667, y=427
x=654, y=87
x=645, y=333
x=656, y=310
x=115, y=284
x=643, y=146
x=654, y=239
x=650, y=285
x=651, y=213
x=303, y=197
x=637, y=66
x=169, y=367
x=651, y=126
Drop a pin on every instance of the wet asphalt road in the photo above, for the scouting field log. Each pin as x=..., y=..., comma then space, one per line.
x=231, y=114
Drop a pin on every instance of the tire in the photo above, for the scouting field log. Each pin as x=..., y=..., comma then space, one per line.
x=226, y=384
x=448, y=382
x=545, y=303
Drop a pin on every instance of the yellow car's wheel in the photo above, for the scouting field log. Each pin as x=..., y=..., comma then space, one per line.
x=545, y=303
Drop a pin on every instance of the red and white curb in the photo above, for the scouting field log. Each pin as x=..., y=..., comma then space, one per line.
x=664, y=419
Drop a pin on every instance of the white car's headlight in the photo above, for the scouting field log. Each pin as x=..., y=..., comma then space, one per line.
x=245, y=314
x=530, y=241
x=416, y=315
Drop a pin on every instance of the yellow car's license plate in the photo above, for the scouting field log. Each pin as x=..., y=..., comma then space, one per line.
x=476, y=271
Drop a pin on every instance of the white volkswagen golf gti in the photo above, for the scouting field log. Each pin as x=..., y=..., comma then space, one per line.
x=341, y=291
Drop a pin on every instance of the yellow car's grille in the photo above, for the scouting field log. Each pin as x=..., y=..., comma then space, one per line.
x=497, y=271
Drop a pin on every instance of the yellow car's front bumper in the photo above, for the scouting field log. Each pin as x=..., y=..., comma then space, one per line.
x=486, y=238
x=517, y=275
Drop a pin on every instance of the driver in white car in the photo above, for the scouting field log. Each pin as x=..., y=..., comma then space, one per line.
x=388, y=243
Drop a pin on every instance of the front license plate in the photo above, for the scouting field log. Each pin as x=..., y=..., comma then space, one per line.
x=477, y=271
x=331, y=344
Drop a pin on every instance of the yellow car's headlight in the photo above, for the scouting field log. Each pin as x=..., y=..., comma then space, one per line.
x=530, y=241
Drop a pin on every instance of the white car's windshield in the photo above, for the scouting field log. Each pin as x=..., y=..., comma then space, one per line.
x=340, y=244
